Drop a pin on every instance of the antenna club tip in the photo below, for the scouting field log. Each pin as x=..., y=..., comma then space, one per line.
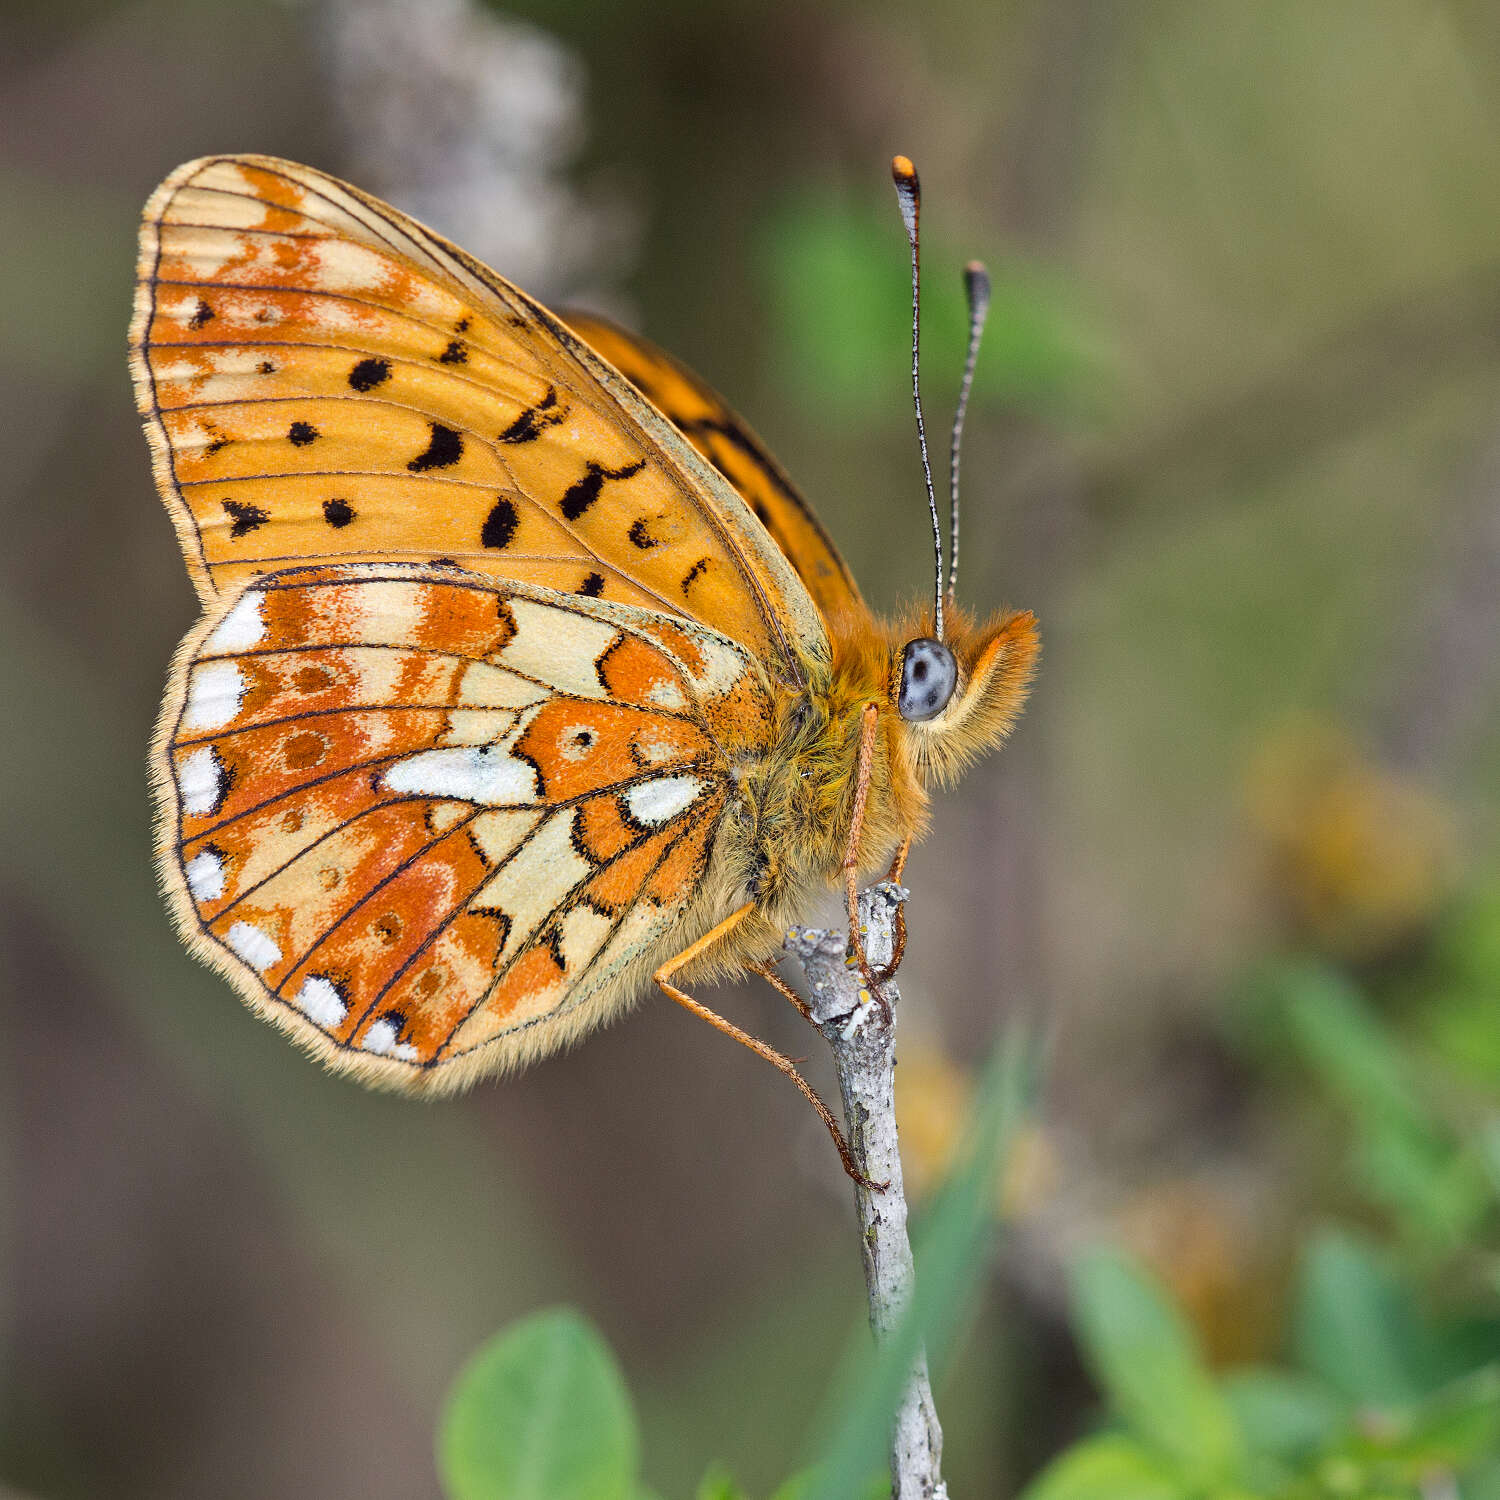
x=978, y=269
x=904, y=172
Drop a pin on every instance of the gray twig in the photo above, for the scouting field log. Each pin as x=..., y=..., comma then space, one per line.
x=864, y=1050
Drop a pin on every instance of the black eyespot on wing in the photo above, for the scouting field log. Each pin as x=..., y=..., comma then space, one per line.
x=500, y=525
x=243, y=518
x=530, y=424
x=444, y=449
x=592, y=586
x=640, y=534
x=576, y=745
x=265, y=367
x=338, y=513
x=202, y=314
x=369, y=373
x=301, y=434
x=454, y=354
x=697, y=570
x=579, y=496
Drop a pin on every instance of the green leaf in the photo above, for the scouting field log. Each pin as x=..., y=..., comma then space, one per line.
x=1483, y=1481
x=837, y=280
x=1331, y=1025
x=798, y=1487
x=1108, y=1467
x=1487, y=1149
x=1148, y=1362
x=1454, y=1428
x=1283, y=1415
x=540, y=1413
x=803, y=1486
x=1355, y=1325
x=950, y=1256
x=718, y=1484
x=1440, y=1193
x=1467, y=942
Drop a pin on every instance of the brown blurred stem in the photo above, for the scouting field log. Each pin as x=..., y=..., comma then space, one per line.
x=864, y=1051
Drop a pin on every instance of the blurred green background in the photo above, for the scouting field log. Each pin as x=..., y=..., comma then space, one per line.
x=1236, y=438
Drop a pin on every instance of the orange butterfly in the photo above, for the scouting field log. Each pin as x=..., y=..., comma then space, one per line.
x=525, y=675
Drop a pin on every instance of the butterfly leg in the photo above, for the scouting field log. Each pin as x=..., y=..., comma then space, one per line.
x=782, y=988
x=663, y=978
x=898, y=947
x=851, y=856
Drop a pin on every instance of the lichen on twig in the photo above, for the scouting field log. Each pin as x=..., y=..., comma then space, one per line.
x=864, y=1051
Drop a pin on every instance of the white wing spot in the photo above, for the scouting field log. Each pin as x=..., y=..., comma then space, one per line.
x=665, y=693
x=321, y=1002
x=180, y=371
x=241, y=628
x=180, y=310
x=256, y=947
x=381, y=1040
x=487, y=776
x=656, y=802
x=205, y=876
x=654, y=750
x=582, y=931
x=215, y=691
x=200, y=779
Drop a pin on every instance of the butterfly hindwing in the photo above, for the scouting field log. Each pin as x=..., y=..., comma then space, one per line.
x=707, y=421
x=434, y=823
x=324, y=379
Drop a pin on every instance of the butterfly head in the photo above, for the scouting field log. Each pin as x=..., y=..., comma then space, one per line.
x=957, y=698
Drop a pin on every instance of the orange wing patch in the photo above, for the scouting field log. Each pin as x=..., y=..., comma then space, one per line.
x=707, y=421
x=323, y=378
x=429, y=821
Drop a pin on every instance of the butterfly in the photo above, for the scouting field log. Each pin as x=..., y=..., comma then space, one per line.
x=524, y=675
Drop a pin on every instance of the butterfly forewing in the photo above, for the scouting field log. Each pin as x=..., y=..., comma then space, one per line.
x=428, y=820
x=323, y=378
x=729, y=444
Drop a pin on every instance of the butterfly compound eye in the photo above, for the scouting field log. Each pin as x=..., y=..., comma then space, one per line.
x=928, y=676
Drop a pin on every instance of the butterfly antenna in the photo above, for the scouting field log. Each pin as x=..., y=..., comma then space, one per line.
x=909, y=194
x=977, y=289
